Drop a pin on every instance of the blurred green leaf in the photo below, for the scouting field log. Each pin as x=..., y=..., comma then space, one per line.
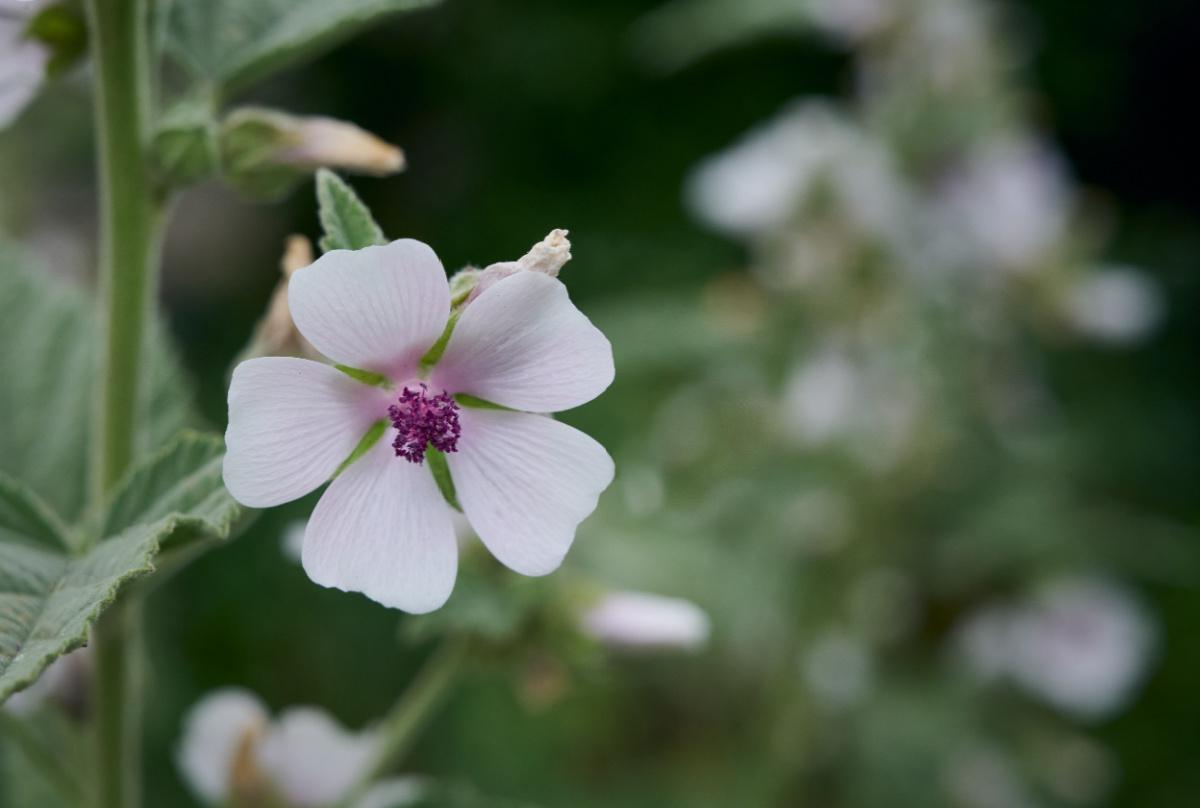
x=229, y=44
x=48, y=356
x=347, y=223
x=53, y=587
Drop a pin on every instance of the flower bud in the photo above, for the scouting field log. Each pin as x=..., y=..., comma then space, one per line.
x=643, y=621
x=265, y=152
x=547, y=256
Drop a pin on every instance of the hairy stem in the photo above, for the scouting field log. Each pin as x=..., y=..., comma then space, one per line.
x=130, y=216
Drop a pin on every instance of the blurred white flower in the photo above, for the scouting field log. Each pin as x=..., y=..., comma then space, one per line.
x=642, y=621
x=1118, y=305
x=312, y=759
x=230, y=742
x=1080, y=645
x=834, y=396
x=822, y=397
x=759, y=183
x=65, y=683
x=851, y=20
x=22, y=62
x=838, y=668
x=1010, y=200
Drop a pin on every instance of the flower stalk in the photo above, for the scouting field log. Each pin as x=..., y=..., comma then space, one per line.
x=413, y=710
x=131, y=215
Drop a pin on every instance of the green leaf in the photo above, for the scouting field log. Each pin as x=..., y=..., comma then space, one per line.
x=53, y=587
x=232, y=43
x=48, y=357
x=347, y=223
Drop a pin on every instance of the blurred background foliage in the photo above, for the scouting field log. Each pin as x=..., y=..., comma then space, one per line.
x=929, y=504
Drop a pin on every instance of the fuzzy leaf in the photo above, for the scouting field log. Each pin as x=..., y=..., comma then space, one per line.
x=53, y=586
x=229, y=44
x=48, y=357
x=347, y=223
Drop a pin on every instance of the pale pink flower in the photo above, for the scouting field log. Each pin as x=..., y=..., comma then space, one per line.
x=232, y=743
x=383, y=528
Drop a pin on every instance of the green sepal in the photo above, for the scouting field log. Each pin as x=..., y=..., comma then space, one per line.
x=63, y=30
x=369, y=439
x=441, y=475
x=369, y=377
x=438, y=348
x=476, y=403
x=184, y=147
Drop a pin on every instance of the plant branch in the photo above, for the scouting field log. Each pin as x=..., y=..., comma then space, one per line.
x=131, y=217
x=412, y=711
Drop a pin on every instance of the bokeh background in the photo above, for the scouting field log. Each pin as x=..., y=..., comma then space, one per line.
x=906, y=395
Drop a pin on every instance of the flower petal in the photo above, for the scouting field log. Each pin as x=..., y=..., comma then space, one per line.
x=383, y=529
x=379, y=309
x=213, y=732
x=314, y=760
x=291, y=424
x=526, y=482
x=523, y=344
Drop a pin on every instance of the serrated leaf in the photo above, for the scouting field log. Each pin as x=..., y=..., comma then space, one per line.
x=48, y=356
x=52, y=588
x=347, y=222
x=231, y=43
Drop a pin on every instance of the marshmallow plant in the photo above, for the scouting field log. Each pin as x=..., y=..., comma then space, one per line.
x=430, y=408
x=423, y=402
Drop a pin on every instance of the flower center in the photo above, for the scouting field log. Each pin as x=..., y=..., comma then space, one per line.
x=422, y=421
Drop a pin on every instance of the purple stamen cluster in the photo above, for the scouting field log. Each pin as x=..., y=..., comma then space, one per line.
x=423, y=420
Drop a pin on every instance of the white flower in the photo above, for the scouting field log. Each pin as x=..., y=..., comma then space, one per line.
x=383, y=528
x=639, y=620
x=1010, y=200
x=852, y=20
x=22, y=61
x=1119, y=305
x=304, y=755
x=1080, y=645
x=759, y=183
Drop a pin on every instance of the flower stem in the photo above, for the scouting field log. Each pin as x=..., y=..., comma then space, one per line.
x=409, y=715
x=131, y=215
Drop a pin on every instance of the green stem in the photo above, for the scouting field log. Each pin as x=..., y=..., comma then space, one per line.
x=116, y=697
x=131, y=217
x=409, y=715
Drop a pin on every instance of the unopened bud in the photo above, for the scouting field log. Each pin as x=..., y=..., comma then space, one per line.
x=265, y=152
x=548, y=256
x=642, y=621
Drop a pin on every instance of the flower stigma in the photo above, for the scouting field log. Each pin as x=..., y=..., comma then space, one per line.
x=421, y=421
